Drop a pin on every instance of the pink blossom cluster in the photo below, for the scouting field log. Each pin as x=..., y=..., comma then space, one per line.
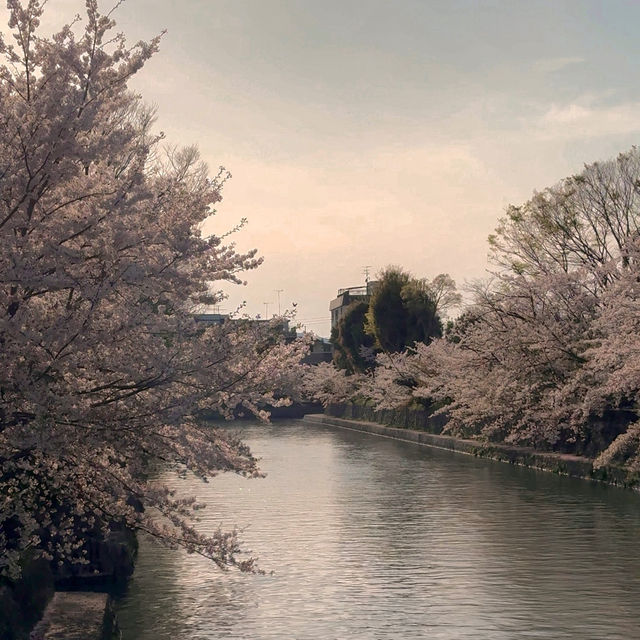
x=104, y=369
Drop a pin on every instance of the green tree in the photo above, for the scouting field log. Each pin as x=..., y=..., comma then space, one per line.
x=404, y=310
x=422, y=320
x=349, y=338
x=387, y=316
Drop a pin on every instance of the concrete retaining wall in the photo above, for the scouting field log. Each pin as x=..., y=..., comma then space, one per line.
x=404, y=418
x=560, y=463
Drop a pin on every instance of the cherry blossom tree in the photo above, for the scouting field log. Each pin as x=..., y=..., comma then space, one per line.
x=104, y=368
x=390, y=384
x=606, y=390
x=327, y=384
x=547, y=353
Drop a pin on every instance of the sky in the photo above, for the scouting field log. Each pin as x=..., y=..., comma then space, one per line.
x=377, y=132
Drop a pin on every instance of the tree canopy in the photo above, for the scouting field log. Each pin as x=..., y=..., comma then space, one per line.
x=404, y=310
x=103, y=261
x=401, y=312
x=351, y=342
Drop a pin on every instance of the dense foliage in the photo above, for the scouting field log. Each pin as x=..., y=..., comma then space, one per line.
x=401, y=311
x=104, y=369
x=350, y=341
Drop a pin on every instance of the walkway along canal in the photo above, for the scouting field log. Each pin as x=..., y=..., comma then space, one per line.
x=371, y=537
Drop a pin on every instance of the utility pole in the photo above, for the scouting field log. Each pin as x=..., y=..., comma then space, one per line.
x=266, y=310
x=365, y=270
x=278, y=292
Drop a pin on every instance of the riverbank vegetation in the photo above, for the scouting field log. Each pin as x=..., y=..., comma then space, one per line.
x=103, y=262
x=547, y=353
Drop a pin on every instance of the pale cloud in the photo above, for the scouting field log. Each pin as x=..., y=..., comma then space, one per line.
x=390, y=144
x=580, y=120
x=552, y=65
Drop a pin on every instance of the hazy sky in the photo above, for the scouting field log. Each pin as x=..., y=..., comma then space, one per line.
x=376, y=132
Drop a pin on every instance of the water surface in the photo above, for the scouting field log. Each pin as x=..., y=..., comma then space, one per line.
x=374, y=538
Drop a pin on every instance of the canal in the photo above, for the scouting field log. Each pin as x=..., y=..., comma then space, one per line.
x=373, y=538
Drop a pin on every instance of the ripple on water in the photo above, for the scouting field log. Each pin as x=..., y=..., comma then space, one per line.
x=373, y=538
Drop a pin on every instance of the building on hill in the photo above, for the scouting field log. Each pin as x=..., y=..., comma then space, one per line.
x=347, y=297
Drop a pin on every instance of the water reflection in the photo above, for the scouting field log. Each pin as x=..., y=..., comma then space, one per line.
x=374, y=538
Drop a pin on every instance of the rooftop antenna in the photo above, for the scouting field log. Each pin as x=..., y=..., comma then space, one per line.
x=278, y=292
x=365, y=270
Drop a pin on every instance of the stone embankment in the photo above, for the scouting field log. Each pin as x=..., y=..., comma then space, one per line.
x=560, y=463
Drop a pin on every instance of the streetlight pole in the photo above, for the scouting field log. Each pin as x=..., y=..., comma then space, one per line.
x=278, y=292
